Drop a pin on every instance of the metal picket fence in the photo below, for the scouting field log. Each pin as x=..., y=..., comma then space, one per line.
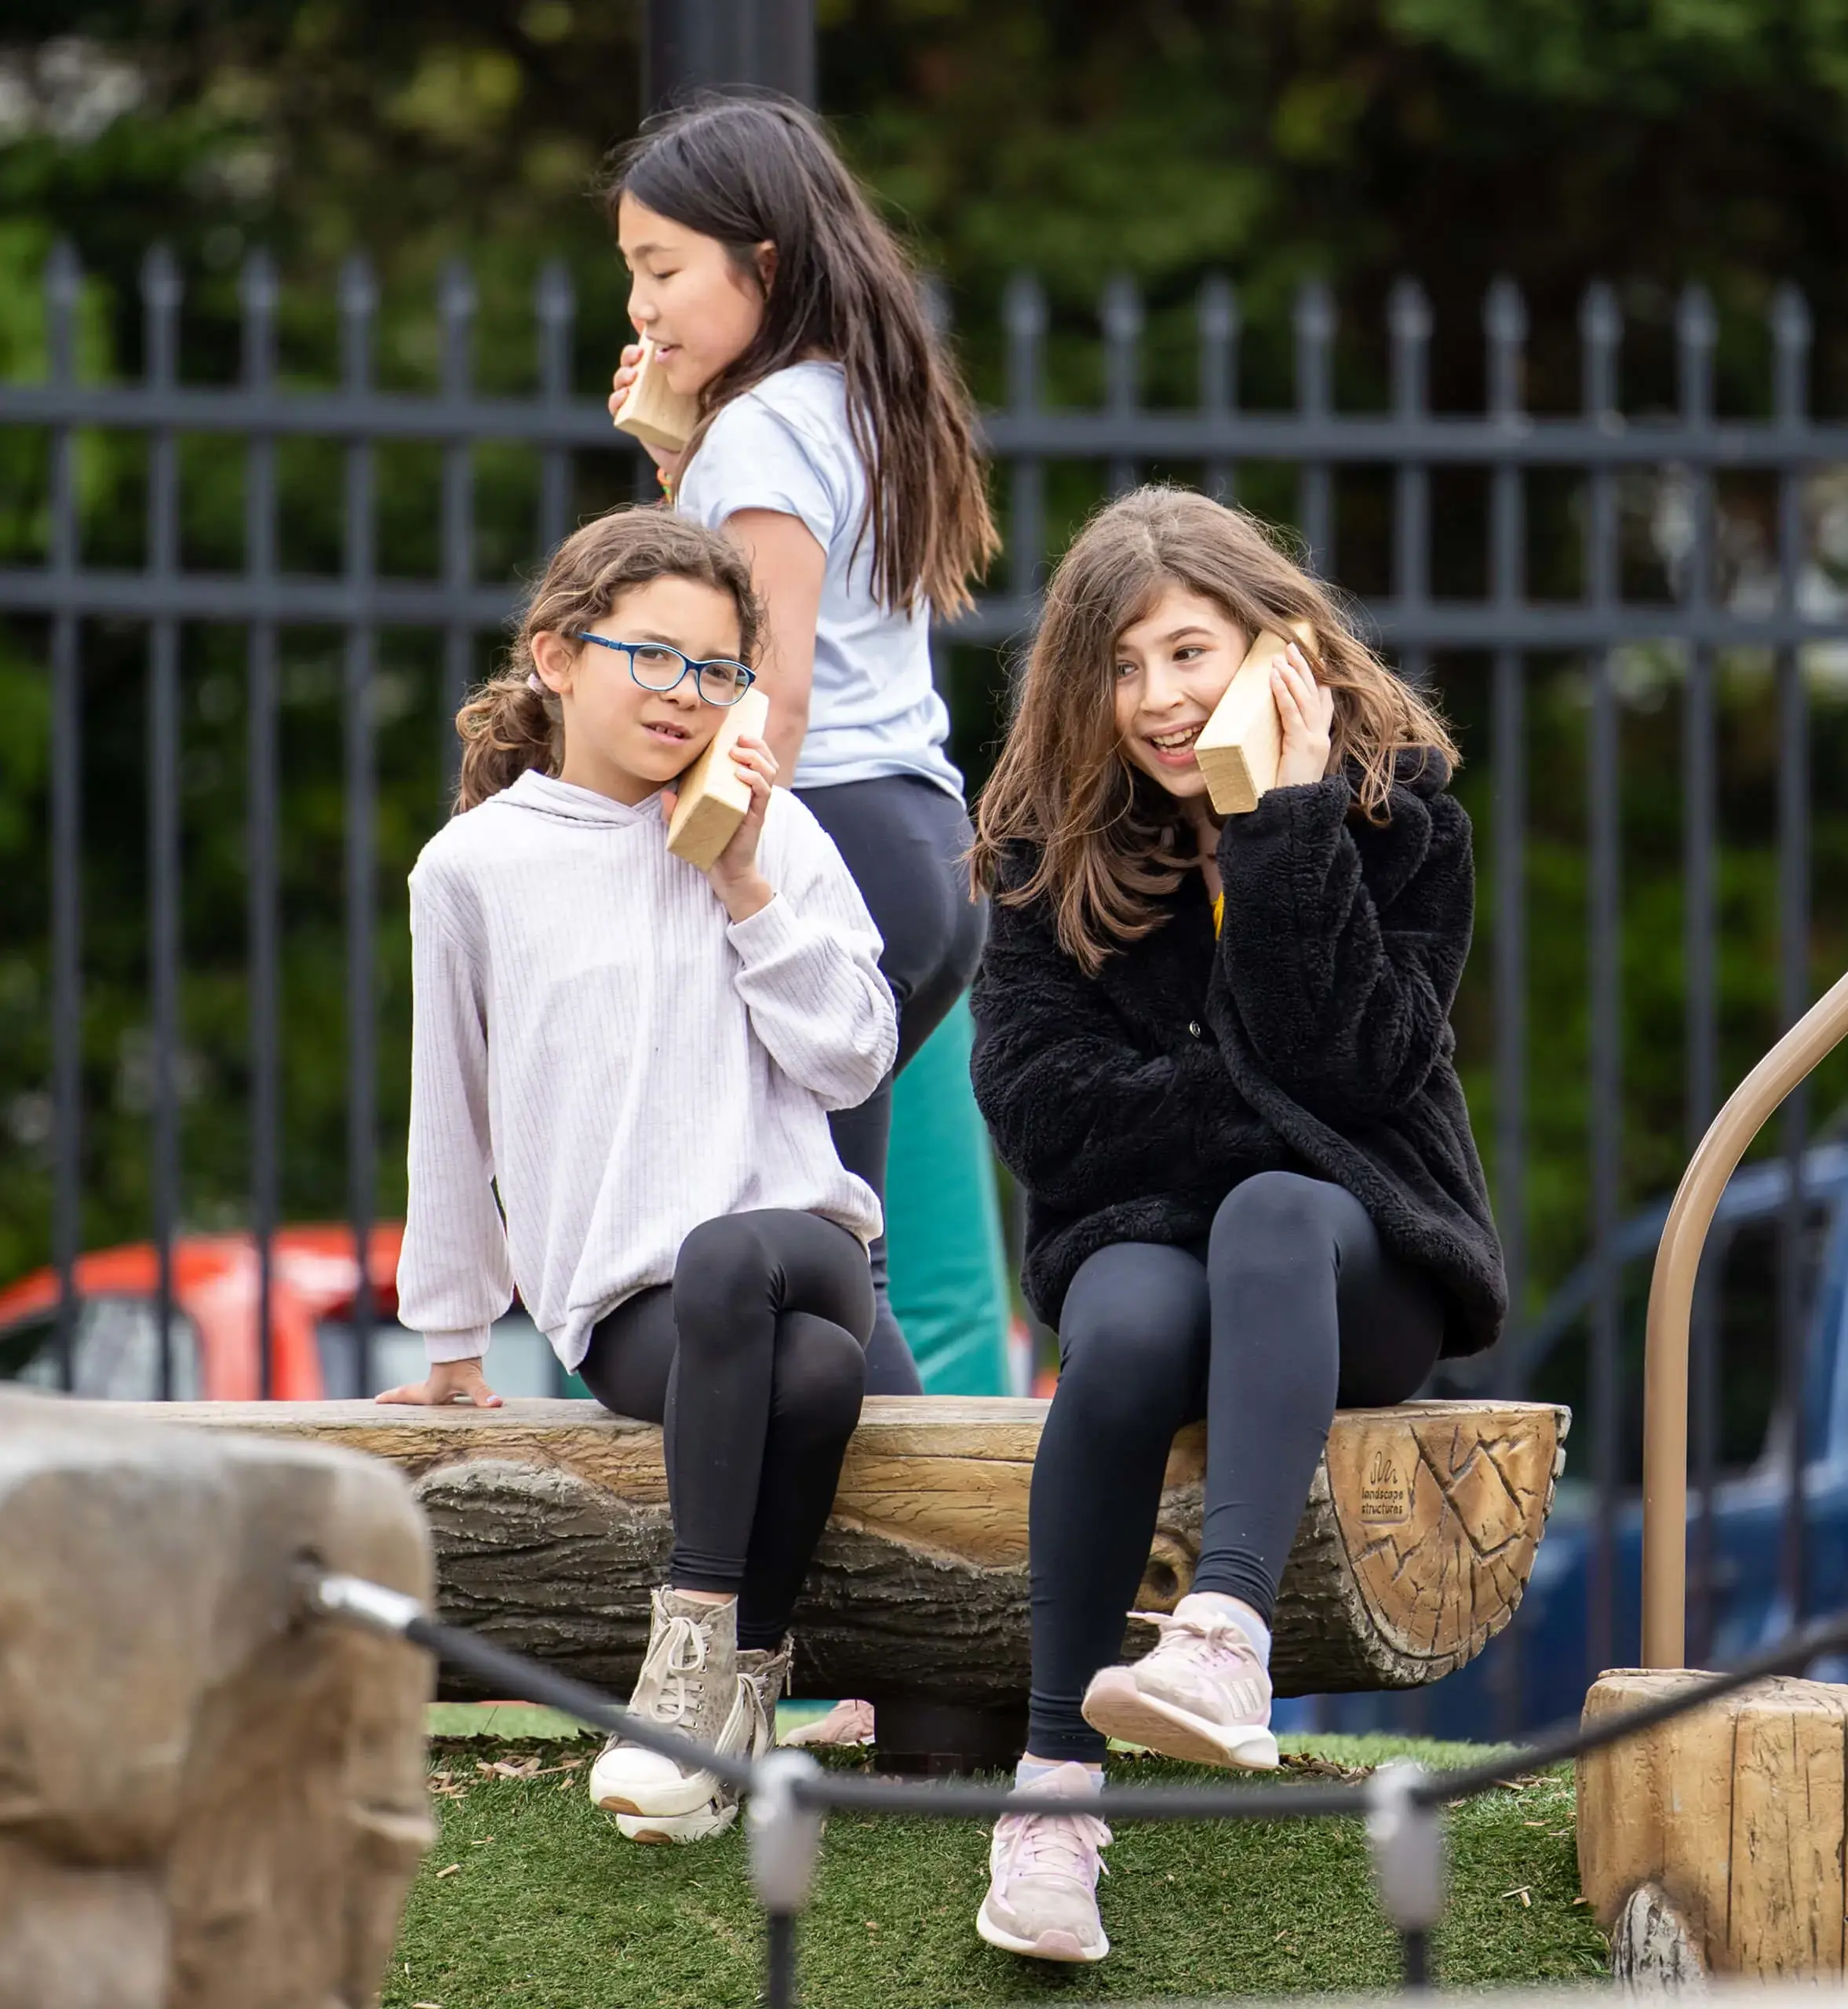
x=1600, y=445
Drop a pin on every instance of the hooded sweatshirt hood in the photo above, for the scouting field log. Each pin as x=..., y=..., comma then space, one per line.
x=545, y=795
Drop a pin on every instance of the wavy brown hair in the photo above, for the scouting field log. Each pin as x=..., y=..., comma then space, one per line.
x=759, y=169
x=507, y=727
x=1105, y=841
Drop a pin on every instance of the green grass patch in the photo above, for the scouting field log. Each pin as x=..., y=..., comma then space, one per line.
x=503, y=1723
x=547, y=1907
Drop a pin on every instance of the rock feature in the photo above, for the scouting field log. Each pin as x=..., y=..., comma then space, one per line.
x=205, y=1798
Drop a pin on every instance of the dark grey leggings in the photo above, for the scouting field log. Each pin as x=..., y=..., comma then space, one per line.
x=1291, y=1308
x=753, y=1361
x=903, y=840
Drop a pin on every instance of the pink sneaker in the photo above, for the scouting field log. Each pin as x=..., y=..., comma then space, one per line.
x=1202, y=1695
x=1043, y=1871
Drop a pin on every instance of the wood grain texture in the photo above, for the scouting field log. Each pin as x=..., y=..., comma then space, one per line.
x=1735, y=1816
x=712, y=797
x=652, y=412
x=550, y=1524
x=1240, y=746
x=204, y=1799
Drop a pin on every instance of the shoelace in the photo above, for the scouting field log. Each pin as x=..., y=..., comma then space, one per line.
x=1052, y=1844
x=677, y=1655
x=1218, y=1642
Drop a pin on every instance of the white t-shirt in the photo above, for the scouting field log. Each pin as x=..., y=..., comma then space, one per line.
x=785, y=446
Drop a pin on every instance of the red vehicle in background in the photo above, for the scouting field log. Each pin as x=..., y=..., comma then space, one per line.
x=213, y=1339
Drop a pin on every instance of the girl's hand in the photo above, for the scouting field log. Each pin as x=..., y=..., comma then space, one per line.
x=626, y=373
x=733, y=872
x=1306, y=709
x=734, y=875
x=450, y=1381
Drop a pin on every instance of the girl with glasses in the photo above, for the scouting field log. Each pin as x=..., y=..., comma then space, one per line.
x=622, y=1070
x=836, y=443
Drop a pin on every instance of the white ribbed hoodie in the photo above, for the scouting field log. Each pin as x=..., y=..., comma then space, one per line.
x=592, y=1035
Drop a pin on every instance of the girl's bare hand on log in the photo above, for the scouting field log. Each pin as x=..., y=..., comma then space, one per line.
x=450, y=1381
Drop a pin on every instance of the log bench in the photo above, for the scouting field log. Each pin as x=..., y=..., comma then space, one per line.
x=550, y=1524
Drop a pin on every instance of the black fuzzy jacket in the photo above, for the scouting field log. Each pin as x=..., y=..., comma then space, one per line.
x=1314, y=1036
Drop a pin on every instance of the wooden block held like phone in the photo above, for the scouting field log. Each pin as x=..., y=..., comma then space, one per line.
x=653, y=414
x=1239, y=746
x=713, y=796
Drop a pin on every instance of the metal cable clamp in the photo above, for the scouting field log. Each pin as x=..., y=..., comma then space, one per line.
x=1405, y=1840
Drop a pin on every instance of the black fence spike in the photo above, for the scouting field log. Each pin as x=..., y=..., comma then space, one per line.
x=1504, y=328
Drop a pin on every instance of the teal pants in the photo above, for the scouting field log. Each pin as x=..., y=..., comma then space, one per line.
x=949, y=1265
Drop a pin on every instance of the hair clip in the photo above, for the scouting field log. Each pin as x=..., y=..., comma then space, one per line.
x=535, y=682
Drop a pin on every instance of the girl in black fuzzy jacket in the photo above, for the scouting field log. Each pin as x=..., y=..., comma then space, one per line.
x=1217, y=1058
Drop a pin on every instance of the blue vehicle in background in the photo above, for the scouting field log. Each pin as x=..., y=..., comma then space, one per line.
x=1537, y=1672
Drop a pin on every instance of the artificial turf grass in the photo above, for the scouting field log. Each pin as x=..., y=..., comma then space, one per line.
x=551, y=1909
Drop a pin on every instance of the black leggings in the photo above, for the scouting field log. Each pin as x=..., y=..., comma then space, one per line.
x=903, y=839
x=753, y=1361
x=1290, y=1308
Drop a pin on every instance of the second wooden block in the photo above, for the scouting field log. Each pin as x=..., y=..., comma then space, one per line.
x=653, y=414
x=1241, y=745
x=713, y=797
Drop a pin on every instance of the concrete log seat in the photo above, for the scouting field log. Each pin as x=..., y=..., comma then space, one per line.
x=550, y=1524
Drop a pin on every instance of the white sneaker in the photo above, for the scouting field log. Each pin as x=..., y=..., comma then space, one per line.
x=689, y=1683
x=1042, y=1877
x=754, y=1736
x=1202, y=1695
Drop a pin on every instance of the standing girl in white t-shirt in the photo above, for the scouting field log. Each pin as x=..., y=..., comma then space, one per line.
x=837, y=445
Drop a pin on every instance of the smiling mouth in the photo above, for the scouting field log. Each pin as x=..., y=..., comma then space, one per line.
x=1178, y=741
x=662, y=729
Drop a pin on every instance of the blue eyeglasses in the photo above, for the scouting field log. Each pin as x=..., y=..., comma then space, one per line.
x=660, y=666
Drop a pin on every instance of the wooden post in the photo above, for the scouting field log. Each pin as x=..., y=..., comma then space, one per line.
x=1715, y=1842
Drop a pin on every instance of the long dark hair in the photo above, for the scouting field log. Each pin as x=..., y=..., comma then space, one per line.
x=1104, y=840
x=759, y=169
x=507, y=726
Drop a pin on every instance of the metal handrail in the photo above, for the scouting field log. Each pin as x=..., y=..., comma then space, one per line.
x=1816, y=1035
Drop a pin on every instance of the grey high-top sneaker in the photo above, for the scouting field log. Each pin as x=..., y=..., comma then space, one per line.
x=689, y=1683
x=766, y=1668
x=762, y=1676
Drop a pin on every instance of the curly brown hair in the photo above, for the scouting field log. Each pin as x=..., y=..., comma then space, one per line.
x=1105, y=840
x=507, y=727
